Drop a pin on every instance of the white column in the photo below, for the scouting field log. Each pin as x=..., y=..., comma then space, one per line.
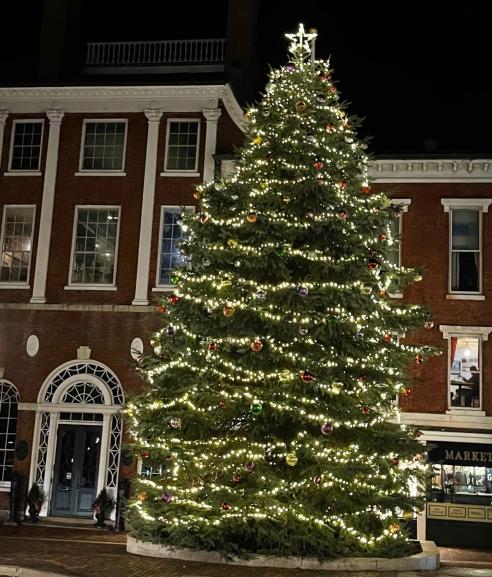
x=44, y=236
x=422, y=524
x=143, y=266
x=3, y=118
x=212, y=116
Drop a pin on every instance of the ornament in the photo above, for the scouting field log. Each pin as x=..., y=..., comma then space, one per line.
x=429, y=325
x=142, y=496
x=265, y=111
x=323, y=77
x=260, y=295
x=406, y=392
x=394, y=528
x=161, y=309
x=303, y=331
x=318, y=165
x=206, y=262
x=226, y=506
x=310, y=138
x=264, y=184
x=418, y=434
x=197, y=194
x=300, y=106
x=364, y=410
x=326, y=429
x=286, y=199
x=320, y=98
x=256, y=408
x=221, y=404
x=256, y=346
x=303, y=291
x=175, y=423
x=167, y=497
x=418, y=278
x=251, y=217
x=236, y=477
x=419, y=359
x=367, y=290
x=307, y=376
x=382, y=294
x=283, y=250
x=382, y=237
x=408, y=515
x=145, y=454
x=342, y=214
x=229, y=311
x=332, y=89
x=290, y=67
x=291, y=459
x=336, y=388
x=310, y=214
x=395, y=461
x=330, y=128
x=342, y=184
x=170, y=331
x=388, y=337
x=174, y=299
x=232, y=242
x=365, y=189
x=203, y=218
x=213, y=346
x=318, y=480
x=372, y=264
x=257, y=139
x=250, y=467
x=285, y=376
x=359, y=335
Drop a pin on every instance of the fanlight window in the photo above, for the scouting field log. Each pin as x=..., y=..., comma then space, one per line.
x=86, y=393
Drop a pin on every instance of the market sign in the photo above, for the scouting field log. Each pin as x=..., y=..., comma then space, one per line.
x=461, y=454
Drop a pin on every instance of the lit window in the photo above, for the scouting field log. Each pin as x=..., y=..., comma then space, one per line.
x=103, y=145
x=171, y=235
x=95, y=245
x=9, y=399
x=182, y=145
x=25, y=151
x=465, y=250
x=17, y=230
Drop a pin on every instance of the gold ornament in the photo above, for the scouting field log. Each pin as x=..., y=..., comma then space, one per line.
x=229, y=311
x=232, y=242
x=252, y=216
x=256, y=346
x=197, y=194
x=408, y=515
x=285, y=376
x=394, y=528
x=264, y=184
x=300, y=106
x=291, y=459
x=257, y=139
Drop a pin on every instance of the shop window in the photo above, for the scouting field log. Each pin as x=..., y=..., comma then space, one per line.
x=171, y=234
x=182, y=145
x=103, y=147
x=25, y=148
x=17, y=231
x=458, y=482
x=9, y=399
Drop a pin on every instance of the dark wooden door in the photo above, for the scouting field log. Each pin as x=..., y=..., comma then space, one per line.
x=76, y=467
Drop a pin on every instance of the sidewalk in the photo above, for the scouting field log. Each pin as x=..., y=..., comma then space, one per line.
x=95, y=553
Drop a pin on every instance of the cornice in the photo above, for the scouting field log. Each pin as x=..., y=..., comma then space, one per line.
x=431, y=170
x=233, y=108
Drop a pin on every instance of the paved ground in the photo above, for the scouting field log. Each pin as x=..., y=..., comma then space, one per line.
x=96, y=553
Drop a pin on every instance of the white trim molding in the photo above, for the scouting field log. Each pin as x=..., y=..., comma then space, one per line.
x=449, y=331
x=466, y=204
x=3, y=119
x=388, y=170
x=45, y=222
x=212, y=116
x=404, y=203
x=451, y=420
x=146, y=217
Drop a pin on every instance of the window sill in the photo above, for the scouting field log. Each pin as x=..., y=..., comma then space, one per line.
x=395, y=295
x=180, y=174
x=16, y=286
x=23, y=173
x=90, y=288
x=465, y=412
x=4, y=486
x=100, y=173
x=464, y=297
x=163, y=288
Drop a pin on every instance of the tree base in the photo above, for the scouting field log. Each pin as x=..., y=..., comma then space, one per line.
x=427, y=560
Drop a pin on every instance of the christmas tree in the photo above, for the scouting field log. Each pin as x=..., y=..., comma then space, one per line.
x=269, y=423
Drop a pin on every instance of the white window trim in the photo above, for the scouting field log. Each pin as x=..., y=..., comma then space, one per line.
x=403, y=203
x=159, y=287
x=85, y=286
x=5, y=485
x=481, y=205
x=17, y=284
x=191, y=172
x=102, y=172
x=23, y=172
x=482, y=333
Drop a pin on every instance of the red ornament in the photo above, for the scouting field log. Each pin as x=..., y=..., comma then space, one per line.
x=162, y=309
x=236, y=477
x=213, y=346
x=342, y=214
x=221, y=404
x=330, y=128
x=307, y=376
x=226, y=506
x=145, y=454
x=406, y=392
x=318, y=165
x=174, y=299
x=332, y=89
x=419, y=359
x=382, y=237
x=395, y=462
x=256, y=346
x=364, y=410
x=372, y=264
x=342, y=184
x=365, y=189
x=388, y=337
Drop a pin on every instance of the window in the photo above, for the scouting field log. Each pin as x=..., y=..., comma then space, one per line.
x=182, y=145
x=25, y=149
x=465, y=365
x=17, y=231
x=95, y=245
x=465, y=241
x=394, y=249
x=9, y=398
x=104, y=144
x=170, y=237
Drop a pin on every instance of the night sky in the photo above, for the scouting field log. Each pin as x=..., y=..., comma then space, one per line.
x=414, y=72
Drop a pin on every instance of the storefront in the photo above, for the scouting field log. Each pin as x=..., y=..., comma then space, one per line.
x=459, y=507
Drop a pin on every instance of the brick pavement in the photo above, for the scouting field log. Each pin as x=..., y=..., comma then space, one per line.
x=95, y=553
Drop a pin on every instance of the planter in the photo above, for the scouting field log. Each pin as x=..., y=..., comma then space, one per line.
x=427, y=560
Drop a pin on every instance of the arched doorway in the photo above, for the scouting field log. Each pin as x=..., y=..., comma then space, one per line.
x=77, y=437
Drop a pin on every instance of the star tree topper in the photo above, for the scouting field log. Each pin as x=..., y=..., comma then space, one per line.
x=302, y=43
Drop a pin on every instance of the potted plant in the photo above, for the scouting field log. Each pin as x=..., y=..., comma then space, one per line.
x=35, y=500
x=102, y=506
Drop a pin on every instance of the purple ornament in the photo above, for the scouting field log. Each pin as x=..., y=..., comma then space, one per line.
x=290, y=67
x=167, y=497
x=303, y=291
x=326, y=429
x=250, y=467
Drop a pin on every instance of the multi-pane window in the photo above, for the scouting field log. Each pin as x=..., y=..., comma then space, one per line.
x=103, y=145
x=9, y=399
x=171, y=235
x=25, y=150
x=182, y=145
x=17, y=230
x=400, y=206
x=465, y=250
x=95, y=245
x=464, y=371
